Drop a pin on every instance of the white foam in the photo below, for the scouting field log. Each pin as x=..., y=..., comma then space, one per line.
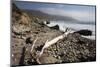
x=74, y=26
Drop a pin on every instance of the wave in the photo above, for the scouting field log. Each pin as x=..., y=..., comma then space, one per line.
x=74, y=26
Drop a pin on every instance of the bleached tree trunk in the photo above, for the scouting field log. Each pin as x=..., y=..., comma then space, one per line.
x=34, y=44
x=53, y=41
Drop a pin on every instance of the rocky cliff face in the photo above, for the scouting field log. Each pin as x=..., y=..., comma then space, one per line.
x=25, y=29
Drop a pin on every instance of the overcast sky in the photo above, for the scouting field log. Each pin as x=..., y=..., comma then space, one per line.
x=79, y=12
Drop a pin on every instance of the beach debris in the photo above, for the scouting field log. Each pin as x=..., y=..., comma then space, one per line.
x=34, y=44
x=53, y=41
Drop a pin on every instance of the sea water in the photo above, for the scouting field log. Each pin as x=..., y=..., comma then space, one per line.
x=75, y=26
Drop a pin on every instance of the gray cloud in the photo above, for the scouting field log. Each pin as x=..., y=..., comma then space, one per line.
x=87, y=15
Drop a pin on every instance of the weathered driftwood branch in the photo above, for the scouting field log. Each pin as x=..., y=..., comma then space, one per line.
x=34, y=44
x=37, y=58
x=53, y=41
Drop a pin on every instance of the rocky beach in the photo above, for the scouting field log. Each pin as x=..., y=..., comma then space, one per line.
x=27, y=30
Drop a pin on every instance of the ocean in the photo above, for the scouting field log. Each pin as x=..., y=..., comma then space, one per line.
x=75, y=26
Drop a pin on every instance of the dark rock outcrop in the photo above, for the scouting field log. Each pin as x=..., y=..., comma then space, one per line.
x=21, y=62
x=55, y=27
x=47, y=22
x=84, y=32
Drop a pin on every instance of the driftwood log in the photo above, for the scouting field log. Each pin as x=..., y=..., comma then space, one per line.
x=53, y=41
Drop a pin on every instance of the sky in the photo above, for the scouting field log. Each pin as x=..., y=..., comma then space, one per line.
x=79, y=12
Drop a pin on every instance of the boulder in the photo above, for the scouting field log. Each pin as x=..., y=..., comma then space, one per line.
x=55, y=27
x=84, y=32
x=47, y=22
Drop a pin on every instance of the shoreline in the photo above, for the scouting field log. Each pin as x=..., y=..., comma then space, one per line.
x=63, y=28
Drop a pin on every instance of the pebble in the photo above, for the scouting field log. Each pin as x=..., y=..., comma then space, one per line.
x=12, y=55
x=58, y=57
